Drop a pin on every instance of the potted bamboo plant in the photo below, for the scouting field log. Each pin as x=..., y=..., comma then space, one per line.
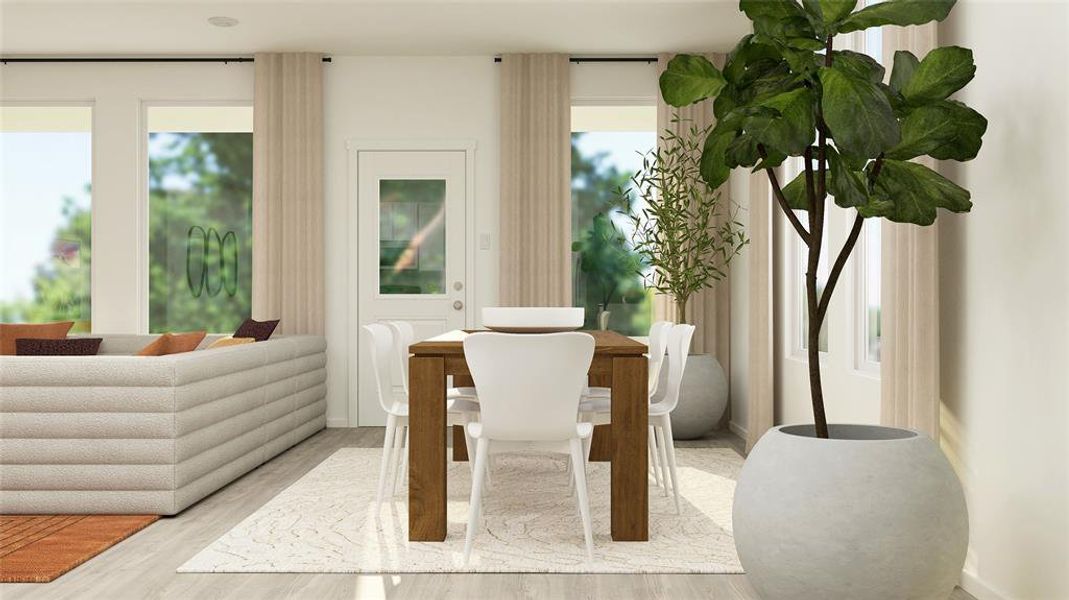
x=686, y=234
x=841, y=511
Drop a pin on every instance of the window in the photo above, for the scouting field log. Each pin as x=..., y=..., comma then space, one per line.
x=45, y=214
x=868, y=304
x=607, y=147
x=200, y=217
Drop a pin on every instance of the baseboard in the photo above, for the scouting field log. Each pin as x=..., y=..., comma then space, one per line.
x=334, y=422
x=979, y=590
x=738, y=429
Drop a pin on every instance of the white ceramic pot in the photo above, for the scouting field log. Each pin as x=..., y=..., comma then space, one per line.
x=873, y=513
x=703, y=397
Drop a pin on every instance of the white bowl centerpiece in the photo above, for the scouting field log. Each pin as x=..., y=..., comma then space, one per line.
x=532, y=319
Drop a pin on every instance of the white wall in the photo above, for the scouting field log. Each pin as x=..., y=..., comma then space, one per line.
x=117, y=93
x=428, y=98
x=1005, y=303
x=739, y=278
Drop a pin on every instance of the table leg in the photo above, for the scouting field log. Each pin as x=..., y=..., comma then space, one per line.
x=426, y=449
x=630, y=426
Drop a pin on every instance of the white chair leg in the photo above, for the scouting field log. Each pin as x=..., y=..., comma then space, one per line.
x=662, y=456
x=404, y=458
x=398, y=444
x=387, y=450
x=469, y=444
x=481, y=450
x=584, y=503
x=671, y=459
x=655, y=463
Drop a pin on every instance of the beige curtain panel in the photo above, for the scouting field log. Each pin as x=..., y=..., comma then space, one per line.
x=287, y=192
x=760, y=401
x=909, y=353
x=536, y=196
x=709, y=310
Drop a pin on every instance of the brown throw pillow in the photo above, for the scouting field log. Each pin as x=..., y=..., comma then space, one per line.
x=173, y=343
x=9, y=332
x=67, y=347
x=260, y=330
x=229, y=341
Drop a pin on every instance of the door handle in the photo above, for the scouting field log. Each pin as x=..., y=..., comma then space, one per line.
x=458, y=305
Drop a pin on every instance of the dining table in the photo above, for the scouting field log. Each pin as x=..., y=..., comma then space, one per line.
x=619, y=363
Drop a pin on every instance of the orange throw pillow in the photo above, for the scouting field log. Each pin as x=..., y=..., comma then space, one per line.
x=9, y=332
x=230, y=340
x=173, y=343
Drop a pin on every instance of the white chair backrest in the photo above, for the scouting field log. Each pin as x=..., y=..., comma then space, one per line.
x=529, y=384
x=403, y=336
x=658, y=343
x=678, y=348
x=380, y=347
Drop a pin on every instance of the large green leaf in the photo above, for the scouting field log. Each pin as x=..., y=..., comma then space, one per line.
x=829, y=12
x=942, y=72
x=911, y=193
x=796, y=194
x=858, y=65
x=689, y=79
x=713, y=166
x=897, y=12
x=902, y=71
x=944, y=130
x=742, y=152
x=858, y=113
x=792, y=130
x=847, y=186
x=761, y=10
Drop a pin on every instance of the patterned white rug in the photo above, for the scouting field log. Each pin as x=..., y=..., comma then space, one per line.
x=326, y=522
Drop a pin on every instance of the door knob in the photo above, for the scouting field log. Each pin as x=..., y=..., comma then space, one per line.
x=458, y=305
x=457, y=285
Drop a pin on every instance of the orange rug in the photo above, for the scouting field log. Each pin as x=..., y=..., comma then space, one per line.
x=39, y=548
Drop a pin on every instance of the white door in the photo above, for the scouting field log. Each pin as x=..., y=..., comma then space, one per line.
x=849, y=357
x=411, y=251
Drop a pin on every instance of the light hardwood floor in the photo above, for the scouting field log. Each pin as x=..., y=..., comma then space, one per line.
x=143, y=567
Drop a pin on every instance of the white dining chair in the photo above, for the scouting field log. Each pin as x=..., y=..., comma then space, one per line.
x=529, y=390
x=381, y=346
x=405, y=335
x=598, y=411
x=657, y=344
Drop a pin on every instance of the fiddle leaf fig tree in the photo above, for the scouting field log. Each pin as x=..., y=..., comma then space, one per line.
x=786, y=91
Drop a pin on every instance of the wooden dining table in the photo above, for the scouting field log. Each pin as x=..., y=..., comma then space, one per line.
x=619, y=363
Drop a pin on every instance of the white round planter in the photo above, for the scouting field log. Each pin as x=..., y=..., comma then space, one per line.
x=875, y=512
x=703, y=397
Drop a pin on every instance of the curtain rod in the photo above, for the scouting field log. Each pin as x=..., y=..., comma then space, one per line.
x=604, y=59
x=116, y=59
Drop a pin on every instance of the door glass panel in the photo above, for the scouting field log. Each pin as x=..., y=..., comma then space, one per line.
x=412, y=236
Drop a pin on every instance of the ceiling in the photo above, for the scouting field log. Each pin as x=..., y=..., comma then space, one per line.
x=400, y=27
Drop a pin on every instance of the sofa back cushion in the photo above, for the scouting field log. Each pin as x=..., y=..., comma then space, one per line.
x=9, y=332
x=68, y=347
x=173, y=343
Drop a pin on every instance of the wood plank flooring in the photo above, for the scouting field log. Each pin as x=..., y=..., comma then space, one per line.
x=143, y=567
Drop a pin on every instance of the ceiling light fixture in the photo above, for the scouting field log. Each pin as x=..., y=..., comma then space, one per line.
x=223, y=21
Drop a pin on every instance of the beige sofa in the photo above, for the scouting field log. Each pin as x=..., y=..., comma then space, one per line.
x=117, y=433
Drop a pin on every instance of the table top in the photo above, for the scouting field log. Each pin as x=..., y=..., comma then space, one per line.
x=606, y=343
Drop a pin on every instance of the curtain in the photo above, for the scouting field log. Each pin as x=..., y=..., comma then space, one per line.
x=909, y=353
x=760, y=400
x=536, y=196
x=710, y=309
x=287, y=199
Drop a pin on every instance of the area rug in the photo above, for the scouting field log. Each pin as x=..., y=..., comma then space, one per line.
x=327, y=522
x=40, y=548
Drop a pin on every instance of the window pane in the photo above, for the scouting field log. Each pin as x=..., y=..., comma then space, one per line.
x=873, y=331
x=200, y=218
x=604, y=273
x=45, y=214
x=412, y=236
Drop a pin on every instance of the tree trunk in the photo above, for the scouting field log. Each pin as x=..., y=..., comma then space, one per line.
x=816, y=391
x=681, y=310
